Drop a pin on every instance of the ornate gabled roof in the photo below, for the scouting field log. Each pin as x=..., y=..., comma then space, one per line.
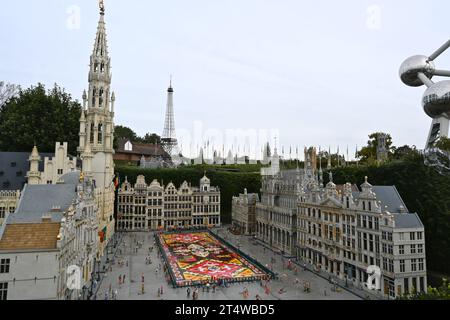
x=205, y=179
x=154, y=184
x=366, y=184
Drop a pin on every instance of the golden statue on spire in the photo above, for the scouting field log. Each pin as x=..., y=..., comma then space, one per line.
x=102, y=6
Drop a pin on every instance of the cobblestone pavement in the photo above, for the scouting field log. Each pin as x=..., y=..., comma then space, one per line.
x=130, y=261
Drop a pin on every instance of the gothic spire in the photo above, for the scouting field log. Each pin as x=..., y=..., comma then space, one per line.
x=100, y=45
x=100, y=66
x=329, y=158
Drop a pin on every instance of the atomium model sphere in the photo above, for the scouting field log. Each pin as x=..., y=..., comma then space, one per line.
x=412, y=66
x=436, y=99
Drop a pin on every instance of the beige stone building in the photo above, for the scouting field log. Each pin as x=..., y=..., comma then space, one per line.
x=155, y=206
x=342, y=229
x=54, y=167
x=42, y=239
x=243, y=212
x=8, y=203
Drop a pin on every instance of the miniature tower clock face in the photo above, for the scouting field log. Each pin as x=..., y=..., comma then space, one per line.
x=205, y=199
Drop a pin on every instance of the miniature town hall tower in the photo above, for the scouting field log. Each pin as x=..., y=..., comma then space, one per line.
x=96, y=122
x=97, y=129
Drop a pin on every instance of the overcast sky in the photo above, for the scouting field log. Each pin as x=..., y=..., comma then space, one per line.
x=317, y=72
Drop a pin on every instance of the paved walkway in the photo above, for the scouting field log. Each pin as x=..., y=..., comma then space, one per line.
x=134, y=266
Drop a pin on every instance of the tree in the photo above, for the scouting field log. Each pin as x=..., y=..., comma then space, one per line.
x=404, y=152
x=369, y=153
x=37, y=116
x=122, y=132
x=151, y=138
x=7, y=92
x=443, y=143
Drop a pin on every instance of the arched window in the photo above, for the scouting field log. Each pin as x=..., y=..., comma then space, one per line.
x=91, y=133
x=100, y=104
x=94, y=92
x=100, y=133
x=96, y=66
x=102, y=67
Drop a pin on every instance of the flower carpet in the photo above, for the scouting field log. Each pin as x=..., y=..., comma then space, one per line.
x=199, y=257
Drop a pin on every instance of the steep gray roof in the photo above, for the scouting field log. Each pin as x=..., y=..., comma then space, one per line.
x=14, y=167
x=390, y=198
x=407, y=221
x=37, y=200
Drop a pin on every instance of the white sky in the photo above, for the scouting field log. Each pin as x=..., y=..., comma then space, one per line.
x=318, y=72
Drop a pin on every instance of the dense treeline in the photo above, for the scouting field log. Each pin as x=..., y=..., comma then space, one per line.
x=39, y=116
x=230, y=183
x=424, y=191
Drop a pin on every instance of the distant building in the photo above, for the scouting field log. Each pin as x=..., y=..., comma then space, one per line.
x=155, y=206
x=141, y=154
x=382, y=152
x=42, y=239
x=243, y=212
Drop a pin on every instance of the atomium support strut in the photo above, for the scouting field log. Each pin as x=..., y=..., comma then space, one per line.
x=419, y=70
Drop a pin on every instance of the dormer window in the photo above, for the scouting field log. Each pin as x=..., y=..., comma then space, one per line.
x=128, y=146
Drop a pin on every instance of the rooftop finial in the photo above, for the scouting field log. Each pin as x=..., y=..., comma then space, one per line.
x=102, y=7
